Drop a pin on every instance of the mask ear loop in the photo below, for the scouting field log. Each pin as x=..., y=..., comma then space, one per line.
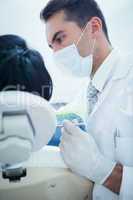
x=93, y=46
x=92, y=53
x=82, y=36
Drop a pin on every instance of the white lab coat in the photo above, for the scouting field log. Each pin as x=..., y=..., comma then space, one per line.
x=102, y=125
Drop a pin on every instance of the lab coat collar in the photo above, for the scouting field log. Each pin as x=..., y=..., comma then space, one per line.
x=116, y=66
x=105, y=71
x=120, y=68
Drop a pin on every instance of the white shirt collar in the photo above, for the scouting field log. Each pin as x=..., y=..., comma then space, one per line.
x=105, y=71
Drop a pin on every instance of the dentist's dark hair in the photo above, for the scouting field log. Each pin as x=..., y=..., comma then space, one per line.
x=79, y=11
x=22, y=68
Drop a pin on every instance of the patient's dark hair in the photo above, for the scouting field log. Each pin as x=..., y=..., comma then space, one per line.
x=79, y=11
x=22, y=68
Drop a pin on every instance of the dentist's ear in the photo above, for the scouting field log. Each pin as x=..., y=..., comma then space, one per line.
x=95, y=26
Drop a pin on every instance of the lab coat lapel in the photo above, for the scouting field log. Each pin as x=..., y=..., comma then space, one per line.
x=122, y=71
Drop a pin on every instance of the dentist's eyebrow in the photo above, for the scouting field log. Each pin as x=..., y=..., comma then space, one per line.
x=54, y=37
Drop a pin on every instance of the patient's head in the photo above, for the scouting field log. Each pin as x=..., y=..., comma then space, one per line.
x=22, y=68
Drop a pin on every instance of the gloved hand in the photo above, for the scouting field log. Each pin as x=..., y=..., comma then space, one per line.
x=80, y=152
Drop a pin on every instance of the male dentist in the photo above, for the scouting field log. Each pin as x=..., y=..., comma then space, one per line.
x=77, y=33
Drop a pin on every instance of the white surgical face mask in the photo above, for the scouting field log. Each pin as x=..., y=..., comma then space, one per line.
x=69, y=60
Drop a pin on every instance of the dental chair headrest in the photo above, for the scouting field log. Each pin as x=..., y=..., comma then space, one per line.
x=27, y=123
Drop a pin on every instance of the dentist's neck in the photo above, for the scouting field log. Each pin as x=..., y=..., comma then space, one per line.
x=101, y=53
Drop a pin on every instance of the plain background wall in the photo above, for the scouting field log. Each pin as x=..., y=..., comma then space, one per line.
x=22, y=17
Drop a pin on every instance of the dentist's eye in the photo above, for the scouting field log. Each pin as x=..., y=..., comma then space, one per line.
x=60, y=39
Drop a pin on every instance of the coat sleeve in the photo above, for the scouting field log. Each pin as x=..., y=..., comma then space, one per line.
x=126, y=192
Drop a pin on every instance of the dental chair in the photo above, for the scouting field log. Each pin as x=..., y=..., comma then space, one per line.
x=30, y=169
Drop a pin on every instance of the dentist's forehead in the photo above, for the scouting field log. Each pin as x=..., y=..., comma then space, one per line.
x=55, y=24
